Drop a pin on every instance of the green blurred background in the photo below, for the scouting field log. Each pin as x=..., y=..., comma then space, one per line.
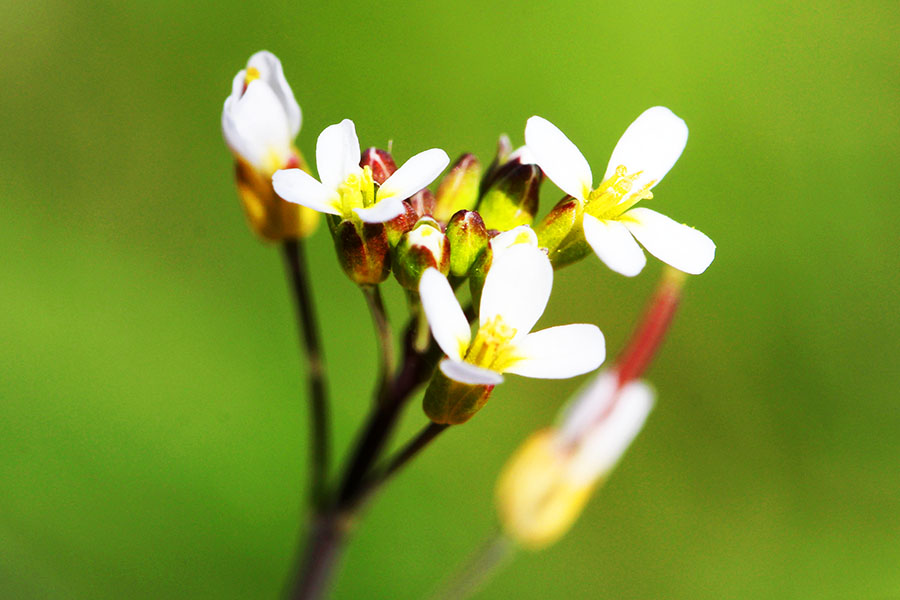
x=152, y=425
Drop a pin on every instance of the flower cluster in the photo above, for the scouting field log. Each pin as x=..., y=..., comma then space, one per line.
x=474, y=236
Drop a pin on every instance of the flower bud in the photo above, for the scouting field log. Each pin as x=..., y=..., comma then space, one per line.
x=398, y=226
x=561, y=233
x=469, y=240
x=545, y=485
x=268, y=215
x=422, y=202
x=536, y=502
x=450, y=402
x=512, y=198
x=504, y=149
x=362, y=250
x=423, y=247
x=380, y=161
x=458, y=189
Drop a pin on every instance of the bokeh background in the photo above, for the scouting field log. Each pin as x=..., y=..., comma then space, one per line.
x=152, y=421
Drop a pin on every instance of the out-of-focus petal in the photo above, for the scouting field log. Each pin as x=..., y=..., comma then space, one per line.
x=256, y=128
x=271, y=72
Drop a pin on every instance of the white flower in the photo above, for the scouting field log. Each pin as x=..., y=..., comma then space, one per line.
x=600, y=424
x=261, y=118
x=346, y=188
x=515, y=293
x=645, y=153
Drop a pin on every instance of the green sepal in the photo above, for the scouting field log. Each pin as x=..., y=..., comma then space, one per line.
x=449, y=402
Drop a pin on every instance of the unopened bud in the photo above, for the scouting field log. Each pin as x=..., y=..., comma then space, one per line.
x=545, y=485
x=398, y=226
x=380, y=161
x=459, y=188
x=422, y=203
x=423, y=247
x=362, y=250
x=469, y=240
x=271, y=217
x=512, y=198
x=561, y=233
x=450, y=402
x=504, y=149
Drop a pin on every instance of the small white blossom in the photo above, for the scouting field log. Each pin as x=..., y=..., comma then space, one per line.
x=346, y=189
x=515, y=293
x=261, y=118
x=644, y=154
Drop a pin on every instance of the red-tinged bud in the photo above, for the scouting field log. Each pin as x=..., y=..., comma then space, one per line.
x=449, y=402
x=363, y=251
x=270, y=217
x=504, y=149
x=381, y=163
x=423, y=203
x=512, y=198
x=459, y=188
x=469, y=240
x=398, y=226
x=423, y=247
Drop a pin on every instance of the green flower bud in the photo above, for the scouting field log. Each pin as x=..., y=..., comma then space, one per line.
x=562, y=234
x=423, y=247
x=398, y=226
x=381, y=163
x=469, y=240
x=504, y=149
x=512, y=198
x=449, y=402
x=459, y=188
x=362, y=249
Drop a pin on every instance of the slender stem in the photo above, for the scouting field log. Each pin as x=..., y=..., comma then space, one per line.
x=383, y=335
x=398, y=461
x=295, y=259
x=323, y=548
x=477, y=570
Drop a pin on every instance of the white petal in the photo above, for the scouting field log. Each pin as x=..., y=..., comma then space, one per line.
x=337, y=153
x=270, y=71
x=414, y=175
x=524, y=155
x=517, y=288
x=558, y=157
x=381, y=211
x=523, y=234
x=256, y=128
x=651, y=144
x=560, y=352
x=448, y=323
x=675, y=244
x=469, y=374
x=613, y=245
x=587, y=408
x=604, y=443
x=300, y=187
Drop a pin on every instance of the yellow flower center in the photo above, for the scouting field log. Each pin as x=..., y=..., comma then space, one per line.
x=357, y=191
x=614, y=196
x=491, y=348
x=252, y=74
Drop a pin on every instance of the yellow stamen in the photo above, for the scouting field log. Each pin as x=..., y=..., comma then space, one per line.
x=357, y=191
x=613, y=196
x=491, y=348
x=252, y=74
